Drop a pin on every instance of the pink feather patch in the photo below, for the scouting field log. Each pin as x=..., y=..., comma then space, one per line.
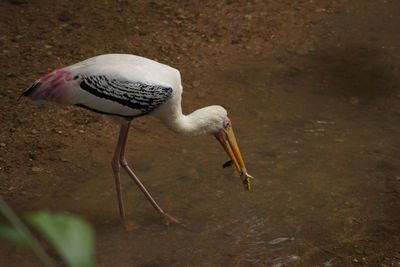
x=53, y=87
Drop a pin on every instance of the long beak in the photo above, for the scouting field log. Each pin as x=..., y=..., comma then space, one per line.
x=228, y=141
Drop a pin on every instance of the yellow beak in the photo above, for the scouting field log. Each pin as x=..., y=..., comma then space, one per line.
x=228, y=141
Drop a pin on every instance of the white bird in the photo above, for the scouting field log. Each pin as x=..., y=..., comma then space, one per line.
x=128, y=86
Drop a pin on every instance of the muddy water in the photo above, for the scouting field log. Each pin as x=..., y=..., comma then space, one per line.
x=325, y=159
x=325, y=162
x=326, y=170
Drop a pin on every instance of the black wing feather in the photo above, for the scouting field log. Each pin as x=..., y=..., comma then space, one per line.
x=142, y=96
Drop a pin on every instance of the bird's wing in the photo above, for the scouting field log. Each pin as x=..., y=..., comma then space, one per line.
x=138, y=95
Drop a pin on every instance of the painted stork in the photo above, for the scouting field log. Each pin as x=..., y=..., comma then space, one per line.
x=128, y=86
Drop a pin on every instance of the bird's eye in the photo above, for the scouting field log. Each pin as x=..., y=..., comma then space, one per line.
x=227, y=124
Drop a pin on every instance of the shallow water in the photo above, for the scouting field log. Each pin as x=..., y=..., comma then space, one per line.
x=325, y=190
x=324, y=183
x=324, y=193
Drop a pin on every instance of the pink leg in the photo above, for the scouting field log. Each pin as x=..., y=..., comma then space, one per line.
x=129, y=226
x=116, y=168
x=119, y=161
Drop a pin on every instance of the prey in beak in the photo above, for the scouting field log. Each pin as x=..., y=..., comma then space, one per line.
x=228, y=141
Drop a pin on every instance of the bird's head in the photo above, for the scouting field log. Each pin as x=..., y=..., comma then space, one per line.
x=221, y=127
x=213, y=120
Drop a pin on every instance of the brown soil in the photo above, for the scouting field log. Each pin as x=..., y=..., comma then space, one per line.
x=312, y=89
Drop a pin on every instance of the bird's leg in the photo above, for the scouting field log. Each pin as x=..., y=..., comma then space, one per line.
x=124, y=164
x=116, y=168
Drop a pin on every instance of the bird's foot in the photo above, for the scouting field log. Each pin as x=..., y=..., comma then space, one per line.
x=129, y=226
x=168, y=219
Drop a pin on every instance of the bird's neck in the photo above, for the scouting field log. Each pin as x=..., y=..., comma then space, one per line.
x=185, y=124
x=192, y=124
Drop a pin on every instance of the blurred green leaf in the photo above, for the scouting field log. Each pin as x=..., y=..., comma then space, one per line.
x=12, y=234
x=70, y=235
x=27, y=238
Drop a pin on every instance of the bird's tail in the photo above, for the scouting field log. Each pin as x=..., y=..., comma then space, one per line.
x=52, y=86
x=29, y=91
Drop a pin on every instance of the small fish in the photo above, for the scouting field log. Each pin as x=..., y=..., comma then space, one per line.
x=243, y=175
x=246, y=180
x=227, y=164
